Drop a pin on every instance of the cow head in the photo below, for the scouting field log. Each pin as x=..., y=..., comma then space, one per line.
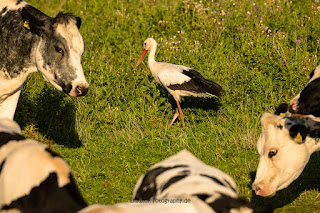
x=285, y=146
x=58, y=53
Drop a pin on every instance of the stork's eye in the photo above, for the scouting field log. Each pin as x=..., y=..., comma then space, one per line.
x=59, y=50
x=272, y=153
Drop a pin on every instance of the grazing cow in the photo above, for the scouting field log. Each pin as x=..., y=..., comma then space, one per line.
x=307, y=102
x=182, y=183
x=31, y=41
x=285, y=146
x=32, y=177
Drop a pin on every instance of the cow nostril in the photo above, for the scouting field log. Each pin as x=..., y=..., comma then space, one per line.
x=81, y=91
x=256, y=189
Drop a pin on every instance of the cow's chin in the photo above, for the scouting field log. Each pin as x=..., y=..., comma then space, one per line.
x=292, y=178
x=269, y=190
x=57, y=86
x=71, y=92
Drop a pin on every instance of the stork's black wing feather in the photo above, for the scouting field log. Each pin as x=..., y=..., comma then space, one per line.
x=198, y=84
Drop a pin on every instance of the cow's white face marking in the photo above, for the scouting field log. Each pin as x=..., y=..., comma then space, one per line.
x=282, y=159
x=59, y=59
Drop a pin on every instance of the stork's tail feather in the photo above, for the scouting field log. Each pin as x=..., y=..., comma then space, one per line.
x=212, y=87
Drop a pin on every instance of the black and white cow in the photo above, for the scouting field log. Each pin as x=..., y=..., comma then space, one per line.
x=31, y=41
x=182, y=183
x=32, y=177
x=307, y=102
x=285, y=146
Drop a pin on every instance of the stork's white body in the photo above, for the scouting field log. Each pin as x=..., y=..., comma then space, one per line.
x=179, y=80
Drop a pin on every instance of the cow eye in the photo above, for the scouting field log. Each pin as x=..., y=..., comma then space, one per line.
x=272, y=153
x=59, y=50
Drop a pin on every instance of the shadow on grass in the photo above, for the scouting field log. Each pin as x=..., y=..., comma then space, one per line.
x=202, y=103
x=52, y=114
x=308, y=180
x=192, y=102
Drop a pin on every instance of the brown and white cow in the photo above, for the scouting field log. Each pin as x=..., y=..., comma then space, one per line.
x=285, y=146
x=32, y=177
x=31, y=41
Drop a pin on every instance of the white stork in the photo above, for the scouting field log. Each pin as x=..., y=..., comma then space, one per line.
x=179, y=80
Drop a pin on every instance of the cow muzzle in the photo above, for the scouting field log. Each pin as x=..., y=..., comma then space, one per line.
x=262, y=190
x=81, y=90
x=76, y=90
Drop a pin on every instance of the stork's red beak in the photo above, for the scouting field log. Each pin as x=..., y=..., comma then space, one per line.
x=140, y=58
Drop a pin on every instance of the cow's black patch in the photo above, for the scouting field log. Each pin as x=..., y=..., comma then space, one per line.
x=1, y=166
x=185, y=172
x=282, y=108
x=65, y=18
x=212, y=178
x=230, y=186
x=202, y=196
x=16, y=43
x=6, y=137
x=66, y=87
x=148, y=187
x=3, y=11
x=312, y=74
x=52, y=153
x=48, y=197
x=298, y=128
x=198, y=84
x=309, y=100
x=225, y=203
x=280, y=126
x=172, y=181
x=315, y=133
x=19, y=1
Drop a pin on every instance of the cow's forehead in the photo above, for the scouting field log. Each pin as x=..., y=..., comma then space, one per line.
x=72, y=35
x=274, y=135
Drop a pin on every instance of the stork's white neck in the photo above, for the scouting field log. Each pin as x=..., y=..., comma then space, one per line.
x=151, y=58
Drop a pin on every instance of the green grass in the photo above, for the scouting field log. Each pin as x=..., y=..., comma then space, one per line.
x=261, y=52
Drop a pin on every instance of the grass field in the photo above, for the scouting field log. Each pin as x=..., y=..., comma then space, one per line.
x=261, y=52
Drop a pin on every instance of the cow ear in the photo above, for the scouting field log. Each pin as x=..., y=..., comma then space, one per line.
x=282, y=108
x=78, y=22
x=35, y=21
x=298, y=132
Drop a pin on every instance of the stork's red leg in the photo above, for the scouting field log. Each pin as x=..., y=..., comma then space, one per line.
x=176, y=114
x=181, y=115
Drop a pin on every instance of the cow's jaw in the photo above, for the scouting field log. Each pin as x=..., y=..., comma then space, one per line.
x=269, y=181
